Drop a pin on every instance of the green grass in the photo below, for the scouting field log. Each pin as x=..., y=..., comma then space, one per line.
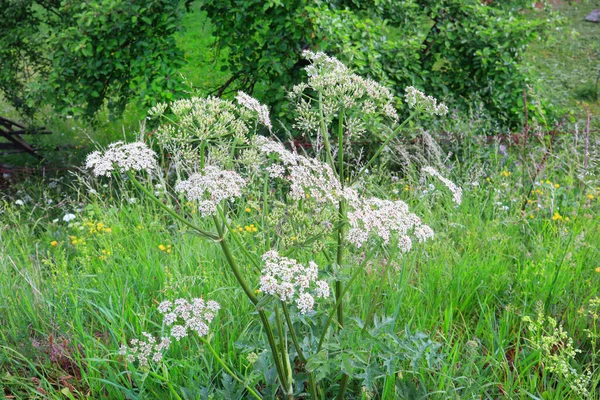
x=468, y=290
x=568, y=63
x=67, y=304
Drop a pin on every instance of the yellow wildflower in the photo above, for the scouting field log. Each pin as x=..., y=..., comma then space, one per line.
x=162, y=247
x=556, y=216
x=53, y=243
x=248, y=209
x=505, y=173
x=597, y=269
x=590, y=196
x=556, y=185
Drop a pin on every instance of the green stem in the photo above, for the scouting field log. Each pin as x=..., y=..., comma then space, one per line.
x=343, y=386
x=339, y=261
x=325, y=133
x=341, y=147
x=288, y=390
x=311, y=376
x=229, y=371
x=263, y=316
x=344, y=291
x=265, y=210
x=178, y=217
x=162, y=378
x=288, y=321
x=237, y=240
x=273, y=346
x=383, y=145
x=233, y=264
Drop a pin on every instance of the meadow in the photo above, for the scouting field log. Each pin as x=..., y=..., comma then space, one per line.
x=502, y=302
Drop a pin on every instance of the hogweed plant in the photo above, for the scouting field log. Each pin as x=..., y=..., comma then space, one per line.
x=319, y=227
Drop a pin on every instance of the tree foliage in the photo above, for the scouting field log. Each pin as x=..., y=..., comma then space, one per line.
x=462, y=50
x=79, y=55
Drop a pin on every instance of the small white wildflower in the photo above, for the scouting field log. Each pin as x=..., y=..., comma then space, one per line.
x=69, y=217
x=131, y=156
x=169, y=318
x=19, y=202
x=305, y=302
x=144, y=350
x=322, y=289
x=178, y=332
x=165, y=307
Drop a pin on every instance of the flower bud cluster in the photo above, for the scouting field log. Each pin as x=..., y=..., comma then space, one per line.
x=134, y=156
x=253, y=105
x=211, y=187
x=339, y=89
x=289, y=280
x=419, y=101
x=182, y=316
x=456, y=191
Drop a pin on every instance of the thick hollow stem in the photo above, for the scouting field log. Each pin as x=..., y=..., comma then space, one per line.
x=285, y=358
x=232, y=263
x=311, y=376
x=263, y=316
x=344, y=291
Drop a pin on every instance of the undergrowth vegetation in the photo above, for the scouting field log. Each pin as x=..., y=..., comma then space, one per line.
x=361, y=251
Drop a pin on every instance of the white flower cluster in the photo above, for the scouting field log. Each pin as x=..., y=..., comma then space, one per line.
x=456, y=191
x=418, y=100
x=211, y=187
x=145, y=350
x=340, y=88
x=195, y=316
x=379, y=217
x=252, y=104
x=125, y=156
x=308, y=177
x=289, y=280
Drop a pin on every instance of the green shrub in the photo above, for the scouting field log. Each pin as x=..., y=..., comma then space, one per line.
x=458, y=49
x=77, y=55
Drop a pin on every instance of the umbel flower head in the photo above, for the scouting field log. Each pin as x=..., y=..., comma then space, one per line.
x=253, y=105
x=377, y=217
x=289, y=280
x=307, y=176
x=419, y=101
x=340, y=89
x=211, y=187
x=125, y=157
x=182, y=316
